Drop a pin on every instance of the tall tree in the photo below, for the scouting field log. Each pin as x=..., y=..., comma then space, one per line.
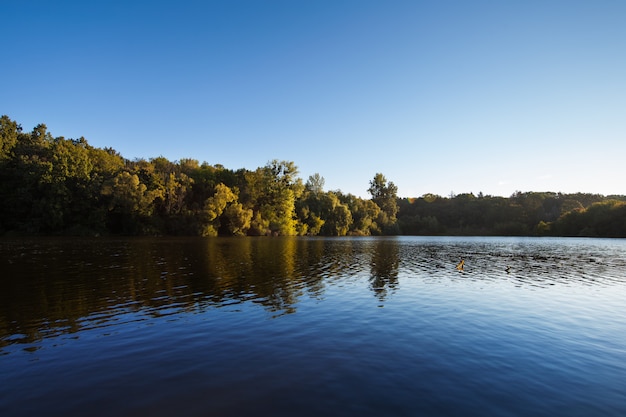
x=315, y=184
x=385, y=195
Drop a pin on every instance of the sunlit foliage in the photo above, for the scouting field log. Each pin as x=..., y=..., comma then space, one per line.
x=54, y=185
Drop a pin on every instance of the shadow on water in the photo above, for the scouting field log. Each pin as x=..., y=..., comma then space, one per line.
x=63, y=286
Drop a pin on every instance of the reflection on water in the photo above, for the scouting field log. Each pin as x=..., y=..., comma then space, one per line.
x=54, y=286
x=385, y=260
x=313, y=326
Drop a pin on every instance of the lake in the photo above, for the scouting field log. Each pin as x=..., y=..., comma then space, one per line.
x=313, y=326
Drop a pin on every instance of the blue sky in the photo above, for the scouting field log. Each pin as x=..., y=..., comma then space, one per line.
x=439, y=96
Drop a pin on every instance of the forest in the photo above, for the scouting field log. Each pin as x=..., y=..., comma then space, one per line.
x=57, y=186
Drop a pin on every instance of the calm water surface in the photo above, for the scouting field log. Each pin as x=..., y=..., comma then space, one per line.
x=310, y=327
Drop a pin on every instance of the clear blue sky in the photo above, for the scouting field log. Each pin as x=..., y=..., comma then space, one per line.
x=439, y=96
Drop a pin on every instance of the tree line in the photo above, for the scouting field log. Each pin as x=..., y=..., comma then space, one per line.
x=59, y=186
x=521, y=214
x=53, y=185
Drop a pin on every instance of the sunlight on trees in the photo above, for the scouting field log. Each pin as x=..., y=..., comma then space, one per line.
x=65, y=186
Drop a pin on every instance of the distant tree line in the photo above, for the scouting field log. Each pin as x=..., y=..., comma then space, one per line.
x=56, y=186
x=521, y=214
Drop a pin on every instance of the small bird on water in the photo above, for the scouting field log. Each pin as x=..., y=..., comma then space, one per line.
x=507, y=269
x=460, y=265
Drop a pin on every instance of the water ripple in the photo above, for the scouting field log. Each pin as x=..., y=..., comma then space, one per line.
x=54, y=287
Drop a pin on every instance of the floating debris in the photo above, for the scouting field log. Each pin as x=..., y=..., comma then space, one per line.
x=460, y=265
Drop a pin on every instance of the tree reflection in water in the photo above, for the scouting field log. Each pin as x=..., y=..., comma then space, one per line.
x=53, y=286
x=58, y=286
x=384, y=268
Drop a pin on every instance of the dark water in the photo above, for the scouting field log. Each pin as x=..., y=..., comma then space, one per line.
x=311, y=327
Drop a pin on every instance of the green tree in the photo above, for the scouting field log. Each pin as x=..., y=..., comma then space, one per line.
x=176, y=188
x=223, y=213
x=25, y=175
x=315, y=184
x=131, y=203
x=323, y=213
x=213, y=209
x=238, y=219
x=272, y=192
x=338, y=217
x=9, y=131
x=601, y=219
x=65, y=191
x=106, y=164
x=308, y=210
x=385, y=195
x=365, y=214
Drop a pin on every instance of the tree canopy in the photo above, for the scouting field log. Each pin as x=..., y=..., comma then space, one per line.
x=54, y=185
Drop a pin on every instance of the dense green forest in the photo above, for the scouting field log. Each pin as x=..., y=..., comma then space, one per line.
x=57, y=186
